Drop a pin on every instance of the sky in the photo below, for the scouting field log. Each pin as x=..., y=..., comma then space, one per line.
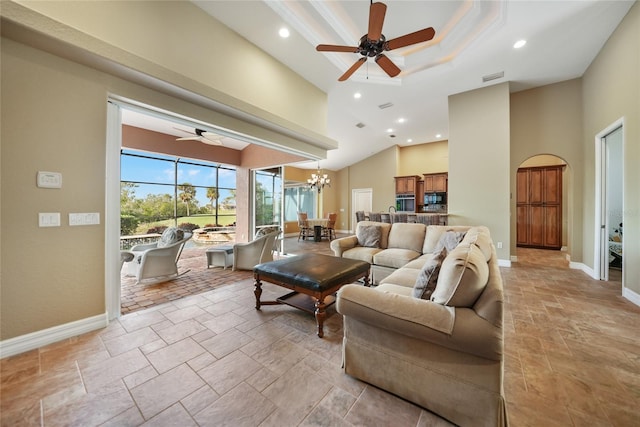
x=140, y=169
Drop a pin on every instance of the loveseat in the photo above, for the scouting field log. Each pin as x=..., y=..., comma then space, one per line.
x=431, y=331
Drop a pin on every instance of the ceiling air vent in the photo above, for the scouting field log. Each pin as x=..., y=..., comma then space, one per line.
x=385, y=105
x=493, y=76
x=360, y=125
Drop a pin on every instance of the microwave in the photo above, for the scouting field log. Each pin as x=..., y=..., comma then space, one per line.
x=405, y=203
x=435, y=198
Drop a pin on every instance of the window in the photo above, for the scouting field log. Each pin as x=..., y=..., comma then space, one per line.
x=268, y=193
x=157, y=191
x=299, y=198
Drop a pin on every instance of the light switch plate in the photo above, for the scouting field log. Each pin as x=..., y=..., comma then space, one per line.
x=92, y=218
x=49, y=219
x=49, y=179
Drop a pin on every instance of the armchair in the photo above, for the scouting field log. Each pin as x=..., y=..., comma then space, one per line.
x=248, y=255
x=158, y=262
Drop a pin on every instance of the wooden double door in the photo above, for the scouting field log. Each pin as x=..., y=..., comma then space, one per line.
x=539, y=207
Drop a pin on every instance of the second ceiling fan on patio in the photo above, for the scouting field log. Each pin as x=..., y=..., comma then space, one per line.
x=374, y=43
x=203, y=136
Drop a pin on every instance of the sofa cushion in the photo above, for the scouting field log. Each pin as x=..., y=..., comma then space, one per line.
x=369, y=236
x=463, y=276
x=428, y=277
x=361, y=253
x=394, y=257
x=480, y=237
x=405, y=277
x=449, y=240
x=170, y=236
x=435, y=232
x=384, y=231
x=407, y=236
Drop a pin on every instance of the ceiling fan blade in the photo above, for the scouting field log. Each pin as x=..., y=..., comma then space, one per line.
x=412, y=38
x=209, y=141
x=352, y=70
x=376, y=19
x=189, y=138
x=387, y=65
x=335, y=48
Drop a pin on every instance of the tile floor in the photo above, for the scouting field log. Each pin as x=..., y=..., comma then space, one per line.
x=572, y=358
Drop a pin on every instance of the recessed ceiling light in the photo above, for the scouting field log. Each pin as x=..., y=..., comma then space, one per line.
x=284, y=32
x=409, y=140
x=389, y=130
x=357, y=95
x=402, y=120
x=439, y=135
x=519, y=44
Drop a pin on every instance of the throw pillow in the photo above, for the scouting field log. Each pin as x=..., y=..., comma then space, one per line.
x=368, y=236
x=449, y=240
x=428, y=277
x=462, y=278
x=170, y=236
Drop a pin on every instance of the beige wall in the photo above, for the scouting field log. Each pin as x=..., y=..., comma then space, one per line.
x=179, y=36
x=375, y=172
x=53, y=119
x=548, y=121
x=611, y=90
x=419, y=159
x=479, y=161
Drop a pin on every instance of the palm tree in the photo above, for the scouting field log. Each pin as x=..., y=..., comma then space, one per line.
x=212, y=194
x=188, y=193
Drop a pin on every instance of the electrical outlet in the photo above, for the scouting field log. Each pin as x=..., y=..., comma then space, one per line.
x=499, y=245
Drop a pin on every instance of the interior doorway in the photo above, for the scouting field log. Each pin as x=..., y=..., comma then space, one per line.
x=610, y=203
x=541, y=203
x=361, y=200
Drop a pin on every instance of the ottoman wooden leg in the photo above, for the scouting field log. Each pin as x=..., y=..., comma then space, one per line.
x=320, y=315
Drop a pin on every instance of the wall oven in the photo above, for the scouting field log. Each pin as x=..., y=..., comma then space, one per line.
x=405, y=203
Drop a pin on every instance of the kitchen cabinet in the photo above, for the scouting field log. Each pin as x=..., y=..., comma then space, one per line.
x=435, y=182
x=407, y=184
x=539, y=207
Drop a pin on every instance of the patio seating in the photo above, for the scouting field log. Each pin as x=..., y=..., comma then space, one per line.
x=158, y=262
x=248, y=255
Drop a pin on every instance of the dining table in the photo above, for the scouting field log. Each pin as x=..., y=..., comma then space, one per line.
x=317, y=224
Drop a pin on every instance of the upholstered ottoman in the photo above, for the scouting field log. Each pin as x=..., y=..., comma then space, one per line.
x=313, y=278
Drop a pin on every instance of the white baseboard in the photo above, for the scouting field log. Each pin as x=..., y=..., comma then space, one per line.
x=631, y=296
x=37, y=339
x=504, y=262
x=580, y=266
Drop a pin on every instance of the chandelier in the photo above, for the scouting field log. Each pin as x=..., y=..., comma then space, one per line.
x=318, y=180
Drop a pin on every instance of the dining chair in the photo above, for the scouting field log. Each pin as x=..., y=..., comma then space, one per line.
x=329, y=231
x=303, y=225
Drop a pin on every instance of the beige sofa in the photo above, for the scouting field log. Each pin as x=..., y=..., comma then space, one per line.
x=444, y=353
x=399, y=243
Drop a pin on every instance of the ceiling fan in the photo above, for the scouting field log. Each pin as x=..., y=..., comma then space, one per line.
x=374, y=43
x=203, y=136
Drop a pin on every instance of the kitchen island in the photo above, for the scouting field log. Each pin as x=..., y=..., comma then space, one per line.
x=428, y=218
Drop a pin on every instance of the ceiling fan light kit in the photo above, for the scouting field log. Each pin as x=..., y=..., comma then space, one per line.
x=374, y=43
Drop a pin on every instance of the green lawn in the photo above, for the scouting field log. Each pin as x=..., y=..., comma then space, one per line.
x=200, y=220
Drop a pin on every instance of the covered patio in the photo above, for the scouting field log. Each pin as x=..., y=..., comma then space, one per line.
x=199, y=278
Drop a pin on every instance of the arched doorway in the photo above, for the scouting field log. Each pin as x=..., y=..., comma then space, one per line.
x=543, y=205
